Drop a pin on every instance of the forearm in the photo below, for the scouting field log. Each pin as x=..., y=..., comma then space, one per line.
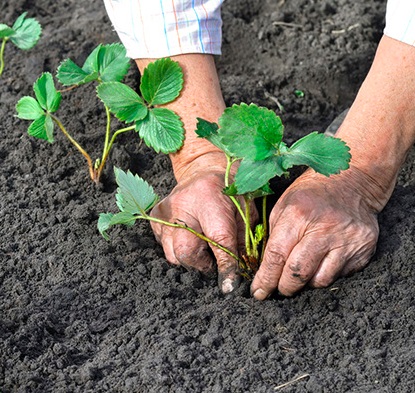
x=201, y=97
x=380, y=126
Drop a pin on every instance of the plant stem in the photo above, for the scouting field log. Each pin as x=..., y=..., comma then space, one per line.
x=199, y=235
x=92, y=172
x=248, y=231
x=246, y=218
x=264, y=225
x=68, y=89
x=107, y=132
x=229, y=164
x=107, y=147
x=3, y=45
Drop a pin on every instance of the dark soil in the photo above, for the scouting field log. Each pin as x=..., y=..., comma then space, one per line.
x=79, y=314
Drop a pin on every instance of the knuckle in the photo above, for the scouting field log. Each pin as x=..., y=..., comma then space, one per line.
x=322, y=281
x=185, y=252
x=220, y=236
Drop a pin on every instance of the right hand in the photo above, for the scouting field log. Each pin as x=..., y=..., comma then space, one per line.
x=198, y=201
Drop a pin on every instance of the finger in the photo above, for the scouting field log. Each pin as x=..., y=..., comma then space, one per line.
x=190, y=251
x=330, y=268
x=223, y=230
x=280, y=243
x=359, y=260
x=302, y=263
x=182, y=247
x=166, y=242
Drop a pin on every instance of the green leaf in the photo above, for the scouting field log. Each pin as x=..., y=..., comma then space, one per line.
x=251, y=132
x=69, y=74
x=107, y=220
x=5, y=31
x=123, y=101
x=28, y=109
x=253, y=175
x=230, y=190
x=104, y=223
x=259, y=233
x=46, y=94
x=325, y=154
x=209, y=131
x=91, y=63
x=162, y=130
x=27, y=32
x=135, y=195
x=42, y=128
x=261, y=192
x=161, y=81
x=113, y=62
x=107, y=63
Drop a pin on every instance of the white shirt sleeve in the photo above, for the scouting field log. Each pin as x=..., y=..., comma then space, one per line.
x=161, y=28
x=400, y=20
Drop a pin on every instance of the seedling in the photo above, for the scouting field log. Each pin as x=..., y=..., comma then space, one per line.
x=251, y=137
x=24, y=33
x=161, y=83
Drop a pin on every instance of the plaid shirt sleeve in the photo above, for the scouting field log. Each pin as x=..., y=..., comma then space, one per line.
x=400, y=20
x=161, y=28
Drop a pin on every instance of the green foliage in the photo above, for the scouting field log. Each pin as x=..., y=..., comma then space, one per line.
x=160, y=128
x=161, y=82
x=251, y=132
x=299, y=93
x=254, y=134
x=135, y=197
x=39, y=110
x=123, y=101
x=5, y=31
x=325, y=154
x=106, y=63
x=24, y=33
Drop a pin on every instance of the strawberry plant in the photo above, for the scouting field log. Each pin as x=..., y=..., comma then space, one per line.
x=161, y=83
x=250, y=137
x=24, y=33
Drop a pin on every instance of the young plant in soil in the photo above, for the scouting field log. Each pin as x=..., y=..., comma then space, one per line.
x=251, y=138
x=161, y=83
x=24, y=33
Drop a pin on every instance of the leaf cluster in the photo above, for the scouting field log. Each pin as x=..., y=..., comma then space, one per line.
x=135, y=197
x=161, y=83
x=24, y=33
x=107, y=62
x=40, y=109
x=253, y=135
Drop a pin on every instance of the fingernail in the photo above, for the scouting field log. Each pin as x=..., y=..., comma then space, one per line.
x=228, y=285
x=228, y=282
x=260, y=294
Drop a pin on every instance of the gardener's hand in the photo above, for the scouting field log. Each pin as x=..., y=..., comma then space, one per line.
x=198, y=201
x=320, y=229
x=323, y=228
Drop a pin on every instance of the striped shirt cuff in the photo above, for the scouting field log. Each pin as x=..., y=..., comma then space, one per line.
x=162, y=28
x=400, y=20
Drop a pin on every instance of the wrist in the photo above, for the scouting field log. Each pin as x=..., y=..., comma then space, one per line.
x=203, y=161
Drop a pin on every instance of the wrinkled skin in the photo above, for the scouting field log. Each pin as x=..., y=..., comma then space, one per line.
x=321, y=229
x=198, y=202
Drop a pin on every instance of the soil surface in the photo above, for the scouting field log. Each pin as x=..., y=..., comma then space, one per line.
x=80, y=314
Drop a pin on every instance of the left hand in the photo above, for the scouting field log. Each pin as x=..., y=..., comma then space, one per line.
x=320, y=229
